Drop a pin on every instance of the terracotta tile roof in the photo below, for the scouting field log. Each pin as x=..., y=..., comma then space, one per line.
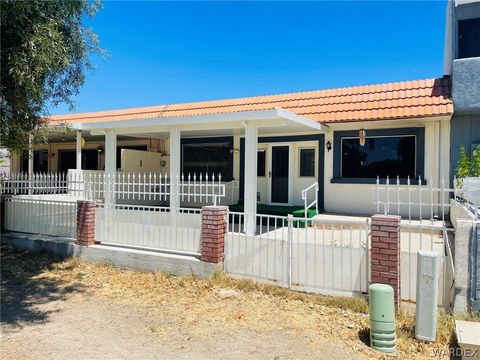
x=408, y=99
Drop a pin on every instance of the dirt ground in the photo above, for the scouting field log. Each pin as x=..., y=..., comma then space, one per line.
x=70, y=309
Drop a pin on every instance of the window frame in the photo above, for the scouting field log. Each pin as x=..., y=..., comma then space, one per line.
x=300, y=148
x=211, y=140
x=418, y=132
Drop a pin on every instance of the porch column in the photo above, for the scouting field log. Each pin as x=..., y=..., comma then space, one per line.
x=79, y=150
x=110, y=164
x=250, y=183
x=174, y=167
x=30, y=163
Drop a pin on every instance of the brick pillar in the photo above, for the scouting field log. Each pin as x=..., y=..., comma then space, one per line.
x=85, y=222
x=385, y=259
x=214, y=227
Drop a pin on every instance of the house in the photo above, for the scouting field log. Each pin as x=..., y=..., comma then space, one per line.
x=278, y=145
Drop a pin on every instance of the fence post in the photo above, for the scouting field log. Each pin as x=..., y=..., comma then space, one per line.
x=212, y=237
x=385, y=259
x=289, y=244
x=85, y=222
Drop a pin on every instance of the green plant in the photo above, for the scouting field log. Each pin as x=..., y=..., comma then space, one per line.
x=464, y=164
x=476, y=162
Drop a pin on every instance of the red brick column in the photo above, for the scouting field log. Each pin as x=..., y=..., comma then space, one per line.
x=85, y=222
x=214, y=227
x=385, y=259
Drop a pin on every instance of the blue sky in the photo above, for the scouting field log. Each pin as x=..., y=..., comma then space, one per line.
x=170, y=52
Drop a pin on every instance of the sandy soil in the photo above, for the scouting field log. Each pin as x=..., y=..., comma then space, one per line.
x=50, y=314
x=71, y=309
x=89, y=327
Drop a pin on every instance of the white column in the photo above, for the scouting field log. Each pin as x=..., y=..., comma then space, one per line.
x=79, y=150
x=250, y=182
x=110, y=152
x=175, y=170
x=30, y=163
x=110, y=165
x=30, y=157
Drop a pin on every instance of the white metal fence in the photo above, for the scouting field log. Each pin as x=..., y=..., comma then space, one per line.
x=425, y=225
x=468, y=193
x=126, y=187
x=50, y=217
x=328, y=257
x=150, y=227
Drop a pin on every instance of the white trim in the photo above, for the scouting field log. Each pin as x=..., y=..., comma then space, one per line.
x=262, y=118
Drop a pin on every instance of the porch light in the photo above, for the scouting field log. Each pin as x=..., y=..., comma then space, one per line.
x=362, y=135
x=329, y=145
x=100, y=149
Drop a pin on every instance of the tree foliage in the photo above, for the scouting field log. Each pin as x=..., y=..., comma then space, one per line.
x=45, y=52
x=467, y=166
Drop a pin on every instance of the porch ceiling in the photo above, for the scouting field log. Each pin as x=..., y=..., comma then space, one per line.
x=267, y=121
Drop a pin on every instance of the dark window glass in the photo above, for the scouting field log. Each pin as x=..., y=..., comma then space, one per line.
x=134, y=147
x=203, y=158
x=380, y=156
x=67, y=160
x=261, y=163
x=307, y=162
x=469, y=38
x=40, y=161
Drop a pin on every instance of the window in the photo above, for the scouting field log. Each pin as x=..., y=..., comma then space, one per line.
x=307, y=162
x=380, y=156
x=468, y=42
x=202, y=156
x=261, y=163
x=67, y=159
x=40, y=161
x=387, y=152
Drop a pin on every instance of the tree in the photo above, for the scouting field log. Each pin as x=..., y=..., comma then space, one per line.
x=45, y=52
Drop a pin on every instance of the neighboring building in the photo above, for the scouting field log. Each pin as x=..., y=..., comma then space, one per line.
x=462, y=62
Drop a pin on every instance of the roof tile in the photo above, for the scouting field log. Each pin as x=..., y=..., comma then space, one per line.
x=430, y=97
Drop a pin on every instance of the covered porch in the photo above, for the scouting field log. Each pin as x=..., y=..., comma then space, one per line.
x=174, y=130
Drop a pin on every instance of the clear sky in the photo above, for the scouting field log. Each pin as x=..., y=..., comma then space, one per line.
x=170, y=52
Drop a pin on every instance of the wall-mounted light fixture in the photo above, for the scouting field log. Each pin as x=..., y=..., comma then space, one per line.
x=100, y=149
x=329, y=145
x=362, y=136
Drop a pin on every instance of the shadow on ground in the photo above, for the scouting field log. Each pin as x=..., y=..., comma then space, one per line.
x=24, y=292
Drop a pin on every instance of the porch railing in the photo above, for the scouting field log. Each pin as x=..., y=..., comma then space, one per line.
x=308, y=205
x=153, y=187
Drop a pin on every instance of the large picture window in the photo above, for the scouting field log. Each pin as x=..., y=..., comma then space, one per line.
x=380, y=156
x=202, y=156
x=386, y=153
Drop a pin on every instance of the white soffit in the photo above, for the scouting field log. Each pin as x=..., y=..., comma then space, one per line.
x=270, y=120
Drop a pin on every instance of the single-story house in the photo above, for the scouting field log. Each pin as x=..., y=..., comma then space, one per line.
x=273, y=146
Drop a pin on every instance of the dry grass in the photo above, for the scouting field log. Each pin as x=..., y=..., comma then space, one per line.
x=199, y=306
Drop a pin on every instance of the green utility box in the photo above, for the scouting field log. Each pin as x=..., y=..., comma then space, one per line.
x=382, y=318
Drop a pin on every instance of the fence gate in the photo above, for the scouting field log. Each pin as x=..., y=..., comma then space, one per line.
x=321, y=256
